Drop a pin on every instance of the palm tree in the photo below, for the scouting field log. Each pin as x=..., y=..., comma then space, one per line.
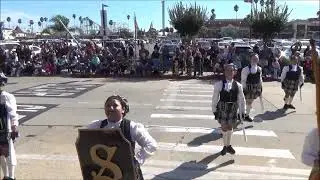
x=39, y=24
x=74, y=19
x=80, y=21
x=236, y=9
x=45, y=20
x=41, y=20
x=9, y=19
x=31, y=25
x=19, y=22
x=261, y=4
x=213, y=15
x=128, y=17
x=256, y=1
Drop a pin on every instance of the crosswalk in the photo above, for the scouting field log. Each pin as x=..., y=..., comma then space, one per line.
x=28, y=111
x=189, y=142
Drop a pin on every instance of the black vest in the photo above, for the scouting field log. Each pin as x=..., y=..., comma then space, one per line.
x=232, y=95
x=293, y=75
x=253, y=78
x=3, y=122
x=125, y=129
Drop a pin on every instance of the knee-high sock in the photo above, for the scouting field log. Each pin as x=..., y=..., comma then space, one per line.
x=229, y=135
x=225, y=138
x=249, y=107
x=11, y=168
x=290, y=99
x=4, y=166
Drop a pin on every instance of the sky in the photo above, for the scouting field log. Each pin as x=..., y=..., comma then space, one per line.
x=147, y=11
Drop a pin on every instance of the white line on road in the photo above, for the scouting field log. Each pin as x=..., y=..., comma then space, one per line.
x=242, y=151
x=193, y=87
x=187, y=95
x=26, y=110
x=184, y=108
x=194, y=91
x=155, y=167
x=203, y=130
x=185, y=169
x=186, y=100
x=183, y=116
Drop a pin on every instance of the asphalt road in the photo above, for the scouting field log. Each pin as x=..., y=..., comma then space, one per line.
x=176, y=113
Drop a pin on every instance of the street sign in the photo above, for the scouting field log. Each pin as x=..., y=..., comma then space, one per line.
x=105, y=154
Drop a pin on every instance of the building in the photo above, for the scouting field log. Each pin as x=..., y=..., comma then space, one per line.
x=305, y=29
x=217, y=27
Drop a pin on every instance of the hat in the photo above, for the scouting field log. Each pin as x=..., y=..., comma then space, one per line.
x=230, y=65
x=3, y=79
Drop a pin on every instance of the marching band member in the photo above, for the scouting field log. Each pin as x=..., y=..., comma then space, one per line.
x=8, y=130
x=116, y=107
x=251, y=80
x=227, y=100
x=291, y=79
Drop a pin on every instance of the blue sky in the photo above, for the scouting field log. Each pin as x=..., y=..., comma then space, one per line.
x=147, y=11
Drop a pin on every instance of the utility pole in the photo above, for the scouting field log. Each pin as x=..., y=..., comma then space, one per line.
x=163, y=24
x=104, y=22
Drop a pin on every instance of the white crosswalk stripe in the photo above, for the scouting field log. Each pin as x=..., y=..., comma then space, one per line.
x=189, y=101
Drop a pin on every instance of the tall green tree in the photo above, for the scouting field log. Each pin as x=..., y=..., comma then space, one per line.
x=213, y=15
x=236, y=9
x=187, y=20
x=269, y=21
x=9, y=20
x=125, y=33
x=57, y=26
x=19, y=22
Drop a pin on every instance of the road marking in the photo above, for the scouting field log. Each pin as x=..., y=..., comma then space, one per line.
x=194, y=91
x=21, y=116
x=186, y=100
x=157, y=167
x=183, y=116
x=203, y=130
x=184, y=108
x=26, y=110
x=187, y=95
x=194, y=87
x=171, y=169
x=242, y=151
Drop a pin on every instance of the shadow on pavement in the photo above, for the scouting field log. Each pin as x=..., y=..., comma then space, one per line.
x=192, y=169
x=205, y=139
x=272, y=115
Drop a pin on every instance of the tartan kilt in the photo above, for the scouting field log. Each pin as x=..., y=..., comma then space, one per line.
x=253, y=91
x=227, y=112
x=290, y=87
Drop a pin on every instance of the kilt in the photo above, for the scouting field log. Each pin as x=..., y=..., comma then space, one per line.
x=227, y=112
x=290, y=87
x=253, y=91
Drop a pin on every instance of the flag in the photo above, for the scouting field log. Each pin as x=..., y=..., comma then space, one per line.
x=104, y=5
x=248, y=1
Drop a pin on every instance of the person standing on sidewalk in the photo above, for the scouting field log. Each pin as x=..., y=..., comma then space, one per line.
x=251, y=80
x=291, y=79
x=227, y=100
x=8, y=130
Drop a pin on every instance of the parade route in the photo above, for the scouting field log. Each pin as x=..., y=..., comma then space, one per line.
x=176, y=113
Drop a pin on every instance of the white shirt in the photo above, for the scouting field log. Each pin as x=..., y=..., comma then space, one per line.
x=11, y=106
x=294, y=68
x=310, y=148
x=245, y=72
x=227, y=87
x=138, y=134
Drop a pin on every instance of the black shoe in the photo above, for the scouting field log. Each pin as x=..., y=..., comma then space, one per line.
x=290, y=106
x=230, y=150
x=248, y=118
x=286, y=106
x=8, y=178
x=224, y=151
